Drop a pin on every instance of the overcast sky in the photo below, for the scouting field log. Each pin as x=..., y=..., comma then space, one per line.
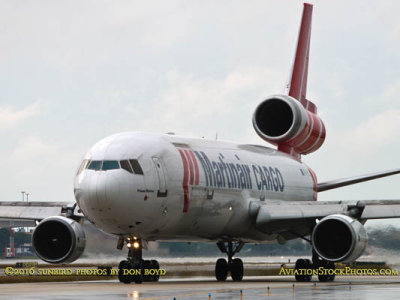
x=73, y=72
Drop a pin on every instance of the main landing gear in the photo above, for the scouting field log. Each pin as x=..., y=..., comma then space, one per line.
x=234, y=266
x=316, y=263
x=135, y=269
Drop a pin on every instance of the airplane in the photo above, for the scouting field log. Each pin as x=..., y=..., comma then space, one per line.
x=144, y=187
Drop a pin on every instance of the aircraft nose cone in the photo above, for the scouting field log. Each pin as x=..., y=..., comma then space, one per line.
x=81, y=190
x=112, y=188
x=107, y=190
x=99, y=190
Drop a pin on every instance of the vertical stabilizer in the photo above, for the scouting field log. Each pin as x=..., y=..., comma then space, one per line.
x=297, y=84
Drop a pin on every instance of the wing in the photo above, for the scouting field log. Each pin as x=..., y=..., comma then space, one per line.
x=27, y=213
x=297, y=219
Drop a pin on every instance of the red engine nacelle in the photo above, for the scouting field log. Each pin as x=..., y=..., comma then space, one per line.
x=283, y=121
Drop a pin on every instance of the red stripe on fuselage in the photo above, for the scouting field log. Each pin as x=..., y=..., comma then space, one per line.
x=196, y=168
x=189, y=159
x=185, y=182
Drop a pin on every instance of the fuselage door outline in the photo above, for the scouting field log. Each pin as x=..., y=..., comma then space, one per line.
x=162, y=184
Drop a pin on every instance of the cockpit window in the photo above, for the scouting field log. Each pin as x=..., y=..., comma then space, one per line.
x=95, y=165
x=126, y=166
x=132, y=165
x=110, y=165
x=136, y=166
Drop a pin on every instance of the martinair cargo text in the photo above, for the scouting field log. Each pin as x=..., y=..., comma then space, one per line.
x=146, y=187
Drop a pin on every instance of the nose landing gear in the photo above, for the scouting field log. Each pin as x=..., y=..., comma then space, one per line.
x=235, y=266
x=135, y=269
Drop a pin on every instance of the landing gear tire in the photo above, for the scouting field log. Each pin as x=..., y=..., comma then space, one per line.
x=221, y=269
x=138, y=277
x=302, y=266
x=125, y=278
x=235, y=266
x=237, y=269
x=146, y=267
x=155, y=266
x=329, y=271
x=309, y=266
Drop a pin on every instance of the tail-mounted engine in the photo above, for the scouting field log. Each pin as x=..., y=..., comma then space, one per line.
x=339, y=238
x=283, y=121
x=58, y=240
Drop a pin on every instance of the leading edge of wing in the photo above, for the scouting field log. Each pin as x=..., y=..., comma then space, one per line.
x=334, y=184
x=35, y=210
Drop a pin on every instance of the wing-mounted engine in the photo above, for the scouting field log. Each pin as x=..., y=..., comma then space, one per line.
x=58, y=240
x=339, y=238
x=283, y=121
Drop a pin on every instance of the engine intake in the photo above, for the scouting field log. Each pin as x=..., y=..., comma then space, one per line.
x=339, y=238
x=283, y=121
x=58, y=240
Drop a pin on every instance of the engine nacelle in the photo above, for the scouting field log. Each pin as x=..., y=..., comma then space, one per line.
x=283, y=121
x=58, y=240
x=339, y=238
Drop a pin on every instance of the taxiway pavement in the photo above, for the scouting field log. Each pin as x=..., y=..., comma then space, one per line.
x=344, y=287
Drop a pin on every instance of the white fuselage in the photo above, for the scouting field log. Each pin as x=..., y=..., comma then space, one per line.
x=191, y=189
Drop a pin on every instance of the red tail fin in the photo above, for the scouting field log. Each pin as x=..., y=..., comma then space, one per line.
x=297, y=85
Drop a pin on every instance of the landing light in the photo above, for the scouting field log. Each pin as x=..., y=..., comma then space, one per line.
x=136, y=245
x=129, y=245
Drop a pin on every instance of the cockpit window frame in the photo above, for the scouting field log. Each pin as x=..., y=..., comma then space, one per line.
x=85, y=163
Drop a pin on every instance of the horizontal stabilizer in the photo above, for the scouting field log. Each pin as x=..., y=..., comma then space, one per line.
x=334, y=184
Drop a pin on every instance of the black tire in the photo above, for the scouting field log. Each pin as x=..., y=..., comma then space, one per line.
x=155, y=265
x=308, y=266
x=300, y=265
x=123, y=265
x=331, y=266
x=237, y=269
x=146, y=267
x=327, y=266
x=138, y=278
x=221, y=269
